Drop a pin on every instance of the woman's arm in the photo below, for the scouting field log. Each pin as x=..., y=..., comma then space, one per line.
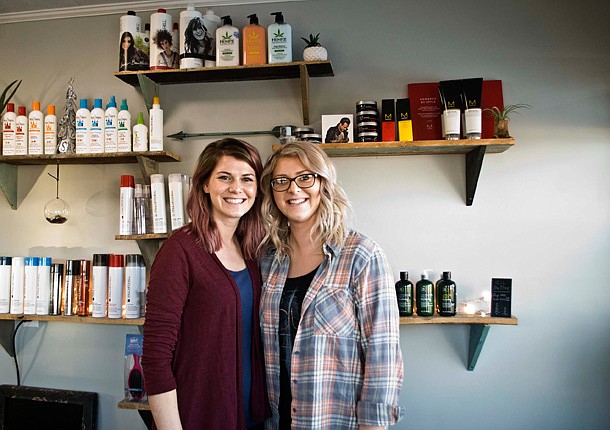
x=164, y=408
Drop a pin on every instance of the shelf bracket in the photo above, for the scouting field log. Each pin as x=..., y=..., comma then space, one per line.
x=148, y=167
x=149, y=249
x=149, y=89
x=478, y=334
x=474, y=162
x=304, y=92
x=8, y=183
x=7, y=328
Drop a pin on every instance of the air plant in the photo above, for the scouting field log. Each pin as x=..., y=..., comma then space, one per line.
x=506, y=111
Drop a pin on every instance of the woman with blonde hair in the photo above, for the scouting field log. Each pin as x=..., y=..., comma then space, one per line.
x=329, y=315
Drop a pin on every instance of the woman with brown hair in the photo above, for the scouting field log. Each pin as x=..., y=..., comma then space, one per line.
x=202, y=358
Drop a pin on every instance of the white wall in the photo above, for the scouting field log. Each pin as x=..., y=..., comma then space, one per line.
x=540, y=214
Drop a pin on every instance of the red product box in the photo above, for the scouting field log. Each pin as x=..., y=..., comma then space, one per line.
x=491, y=95
x=425, y=111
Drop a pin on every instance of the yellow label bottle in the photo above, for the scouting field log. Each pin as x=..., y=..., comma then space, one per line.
x=254, y=43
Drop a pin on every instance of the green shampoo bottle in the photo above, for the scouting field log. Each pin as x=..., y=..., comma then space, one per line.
x=404, y=295
x=447, y=297
x=424, y=296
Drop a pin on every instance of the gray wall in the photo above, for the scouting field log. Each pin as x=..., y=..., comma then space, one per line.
x=540, y=216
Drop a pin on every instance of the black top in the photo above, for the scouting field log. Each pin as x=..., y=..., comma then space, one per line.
x=290, y=316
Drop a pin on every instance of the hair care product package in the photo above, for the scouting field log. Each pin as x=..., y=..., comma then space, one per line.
x=134, y=376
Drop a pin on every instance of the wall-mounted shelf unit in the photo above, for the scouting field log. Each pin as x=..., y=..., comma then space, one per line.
x=150, y=80
x=474, y=151
x=149, y=244
x=479, y=327
x=7, y=324
x=147, y=161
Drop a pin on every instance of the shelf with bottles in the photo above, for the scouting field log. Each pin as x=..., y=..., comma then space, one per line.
x=9, y=164
x=479, y=328
x=150, y=80
x=474, y=151
x=134, y=405
x=7, y=324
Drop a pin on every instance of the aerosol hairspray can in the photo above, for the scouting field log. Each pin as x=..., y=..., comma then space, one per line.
x=99, y=283
x=82, y=297
x=57, y=287
x=115, y=286
x=73, y=281
x=132, y=286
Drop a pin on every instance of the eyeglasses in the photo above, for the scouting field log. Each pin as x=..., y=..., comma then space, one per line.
x=303, y=181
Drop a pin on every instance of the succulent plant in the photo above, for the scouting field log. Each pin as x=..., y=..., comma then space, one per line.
x=4, y=98
x=313, y=40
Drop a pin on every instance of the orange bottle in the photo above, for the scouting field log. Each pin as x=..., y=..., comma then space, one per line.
x=254, y=43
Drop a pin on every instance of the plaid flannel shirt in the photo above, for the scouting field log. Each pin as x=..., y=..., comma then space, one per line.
x=346, y=364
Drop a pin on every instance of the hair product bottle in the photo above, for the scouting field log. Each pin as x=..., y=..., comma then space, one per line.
x=254, y=43
x=447, y=297
x=17, y=279
x=8, y=130
x=124, y=128
x=132, y=286
x=211, y=23
x=57, y=287
x=5, y=285
x=83, y=128
x=21, y=132
x=35, y=130
x=96, y=134
x=227, y=43
x=424, y=296
x=82, y=297
x=126, y=204
x=156, y=126
x=157, y=188
x=192, y=38
x=71, y=287
x=111, y=126
x=176, y=204
x=99, y=284
x=43, y=287
x=140, y=135
x=50, y=131
x=280, y=40
x=115, y=286
x=30, y=279
x=161, y=25
x=404, y=295
x=130, y=40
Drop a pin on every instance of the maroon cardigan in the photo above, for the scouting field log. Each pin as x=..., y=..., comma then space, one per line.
x=192, y=337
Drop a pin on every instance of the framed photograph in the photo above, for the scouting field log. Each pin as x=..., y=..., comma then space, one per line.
x=337, y=128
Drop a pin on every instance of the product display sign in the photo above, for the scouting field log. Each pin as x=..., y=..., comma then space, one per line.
x=501, y=297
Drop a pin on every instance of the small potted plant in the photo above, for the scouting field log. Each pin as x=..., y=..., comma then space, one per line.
x=502, y=116
x=314, y=51
x=4, y=98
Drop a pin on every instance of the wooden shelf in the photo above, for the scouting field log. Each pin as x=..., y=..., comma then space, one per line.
x=133, y=405
x=474, y=151
x=229, y=74
x=141, y=236
x=148, y=243
x=102, y=158
x=149, y=80
x=479, y=327
x=459, y=319
x=9, y=164
x=7, y=324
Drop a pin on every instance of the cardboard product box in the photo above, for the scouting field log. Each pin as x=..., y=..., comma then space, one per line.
x=425, y=111
x=134, y=376
x=403, y=117
x=388, y=121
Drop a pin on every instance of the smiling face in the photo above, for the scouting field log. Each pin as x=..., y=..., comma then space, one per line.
x=232, y=189
x=297, y=204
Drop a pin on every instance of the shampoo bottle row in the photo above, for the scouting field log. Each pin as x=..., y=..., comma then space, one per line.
x=110, y=285
x=423, y=299
x=34, y=134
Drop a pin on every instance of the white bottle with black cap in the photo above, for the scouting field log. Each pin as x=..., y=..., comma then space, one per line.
x=5, y=284
x=279, y=37
x=227, y=43
x=99, y=284
x=17, y=285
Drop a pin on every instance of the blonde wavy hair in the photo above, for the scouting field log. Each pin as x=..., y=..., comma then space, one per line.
x=334, y=206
